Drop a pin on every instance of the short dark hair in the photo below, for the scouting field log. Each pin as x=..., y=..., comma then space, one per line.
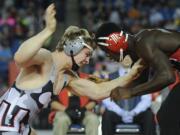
x=107, y=28
x=104, y=30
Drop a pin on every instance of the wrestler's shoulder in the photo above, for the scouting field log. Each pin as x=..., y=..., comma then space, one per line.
x=147, y=31
x=156, y=31
x=148, y=34
x=45, y=52
x=144, y=34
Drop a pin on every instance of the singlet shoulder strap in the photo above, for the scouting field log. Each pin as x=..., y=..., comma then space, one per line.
x=66, y=77
x=72, y=73
x=65, y=80
x=53, y=73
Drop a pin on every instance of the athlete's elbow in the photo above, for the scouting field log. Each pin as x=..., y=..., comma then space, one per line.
x=18, y=58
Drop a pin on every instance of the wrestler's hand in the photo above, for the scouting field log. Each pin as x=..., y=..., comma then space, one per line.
x=136, y=69
x=50, y=18
x=120, y=93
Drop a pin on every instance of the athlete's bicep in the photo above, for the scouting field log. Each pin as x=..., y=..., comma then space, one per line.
x=156, y=59
x=41, y=57
x=83, y=87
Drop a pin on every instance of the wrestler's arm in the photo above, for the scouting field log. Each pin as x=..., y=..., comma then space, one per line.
x=101, y=90
x=163, y=72
x=25, y=56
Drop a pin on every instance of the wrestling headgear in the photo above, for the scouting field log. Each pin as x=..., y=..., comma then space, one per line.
x=115, y=42
x=73, y=47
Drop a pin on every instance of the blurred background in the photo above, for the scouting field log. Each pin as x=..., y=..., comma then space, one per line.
x=20, y=19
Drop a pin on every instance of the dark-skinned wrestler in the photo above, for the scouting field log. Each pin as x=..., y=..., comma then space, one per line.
x=156, y=47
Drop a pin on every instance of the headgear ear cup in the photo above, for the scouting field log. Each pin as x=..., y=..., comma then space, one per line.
x=74, y=46
x=75, y=66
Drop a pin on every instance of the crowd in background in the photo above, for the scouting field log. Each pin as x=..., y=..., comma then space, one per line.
x=133, y=15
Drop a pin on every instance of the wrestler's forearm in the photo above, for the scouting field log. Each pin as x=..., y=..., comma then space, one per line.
x=151, y=86
x=31, y=46
x=98, y=91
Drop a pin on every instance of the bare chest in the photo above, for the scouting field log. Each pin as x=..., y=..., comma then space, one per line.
x=32, y=78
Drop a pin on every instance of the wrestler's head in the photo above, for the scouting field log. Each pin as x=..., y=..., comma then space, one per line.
x=112, y=40
x=78, y=44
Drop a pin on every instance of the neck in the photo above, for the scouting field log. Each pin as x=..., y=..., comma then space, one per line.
x=132, y=48
x=61, y=61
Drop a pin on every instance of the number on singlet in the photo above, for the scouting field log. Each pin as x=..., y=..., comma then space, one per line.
x=13, y=118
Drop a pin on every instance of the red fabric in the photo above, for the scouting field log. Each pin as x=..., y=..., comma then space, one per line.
x=51, y=117
x=63, y=99
x=176, y=55
x=176, y=82
x=13, y=72
x=63, y=95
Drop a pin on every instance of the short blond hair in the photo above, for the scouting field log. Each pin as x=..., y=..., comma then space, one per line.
x=71, y=33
